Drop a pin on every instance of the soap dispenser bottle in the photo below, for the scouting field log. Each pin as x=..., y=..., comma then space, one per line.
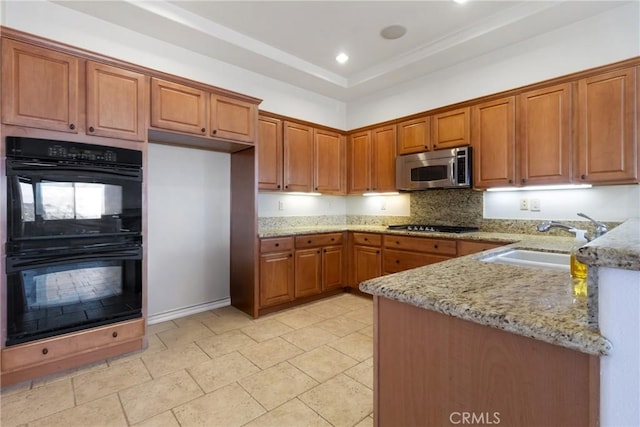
x=578, y=269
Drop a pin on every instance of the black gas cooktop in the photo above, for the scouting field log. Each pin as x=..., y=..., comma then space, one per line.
x=433, y=228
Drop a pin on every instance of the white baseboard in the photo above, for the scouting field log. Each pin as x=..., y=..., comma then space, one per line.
x=187, y=311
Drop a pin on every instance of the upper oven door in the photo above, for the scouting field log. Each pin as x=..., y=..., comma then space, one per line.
x=423, y=171
x=56, y=199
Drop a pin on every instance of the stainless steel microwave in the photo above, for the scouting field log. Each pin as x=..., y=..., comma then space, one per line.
x=435, y=169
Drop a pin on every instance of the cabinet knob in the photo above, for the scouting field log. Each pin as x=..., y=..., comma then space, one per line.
x=277, y=244
x=524, y=180
x=397, y=261
x=583, y=176
x=510, y=181
x=203, y=130
x=114, y=334
x=286, y=186
x=333, y=239
x=366, y=239
x=309, y=241
x=325, y=251
x=290, y=255
x=215, y=131
x=435, y=246
x=72, y=126
x=318, y=251
x=435, y=146
x=91, y=129
x=397, y=243
x=45, y=350
x=316, y=188
x=278, y=186
x=377, y=252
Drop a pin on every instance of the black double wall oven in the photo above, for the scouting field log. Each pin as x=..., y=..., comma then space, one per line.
x=74, y=237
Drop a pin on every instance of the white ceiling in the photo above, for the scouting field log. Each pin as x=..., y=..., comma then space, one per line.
x=297, y=41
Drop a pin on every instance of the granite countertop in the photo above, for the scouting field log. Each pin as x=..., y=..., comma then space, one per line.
x=619, y=248
x=533, y=302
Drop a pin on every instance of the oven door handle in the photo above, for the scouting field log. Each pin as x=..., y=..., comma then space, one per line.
x=18, y=263
x=18, y=167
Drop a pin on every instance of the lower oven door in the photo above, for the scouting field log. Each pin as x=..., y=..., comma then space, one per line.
x=49, y=294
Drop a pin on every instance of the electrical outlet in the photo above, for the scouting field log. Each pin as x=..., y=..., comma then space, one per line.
x=535, y=205
x=280, y=205
x=524, y=204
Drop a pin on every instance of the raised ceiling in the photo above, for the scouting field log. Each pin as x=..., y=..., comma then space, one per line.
x=297, y=41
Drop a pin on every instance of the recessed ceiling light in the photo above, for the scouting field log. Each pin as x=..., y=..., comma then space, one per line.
x=342, y=58
x=460, y=1
x=393, y=32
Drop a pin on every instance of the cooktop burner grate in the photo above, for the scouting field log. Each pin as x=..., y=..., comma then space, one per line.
x=433, y=228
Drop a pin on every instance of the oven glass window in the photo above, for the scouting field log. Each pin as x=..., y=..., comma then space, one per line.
x=70, y=200
x=429, y=173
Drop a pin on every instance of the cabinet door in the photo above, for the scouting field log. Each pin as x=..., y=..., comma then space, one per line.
x=466, y=247
x=178, y=107
x=308, y=271
x=276, y=278
x=367, y=263
x=607, y=128
x=451, y=129
x=298, y=157
x=332, y=267
x=40, y=87
x=360, y=162
x=233, y=119
x=383, y=170
x=116, y=102
x=414, y=136
x=395, y=261
x=329, y=162
x=494, y=143
x=269, y=153
x=545, y=135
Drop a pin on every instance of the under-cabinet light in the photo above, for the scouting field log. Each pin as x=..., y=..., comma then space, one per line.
x=542, y=187
x=302, y=193
x=390, y=193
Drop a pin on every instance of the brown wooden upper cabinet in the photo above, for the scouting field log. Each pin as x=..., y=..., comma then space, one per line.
x=116, y=102
x=177, y=107
x=298, y=157
x=182, y=108
x=329, y=162
x=40, y=87
x=493, y=142
x=233, y=119
x=270, y=155
x=545, y=135
x=607, y=149
x=414, y=136
x=451, y=129
x=372, y=160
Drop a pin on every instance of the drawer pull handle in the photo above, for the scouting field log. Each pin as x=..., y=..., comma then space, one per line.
x=45, y=350
x=114, y=334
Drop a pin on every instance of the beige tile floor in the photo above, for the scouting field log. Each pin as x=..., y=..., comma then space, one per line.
x=307, y=366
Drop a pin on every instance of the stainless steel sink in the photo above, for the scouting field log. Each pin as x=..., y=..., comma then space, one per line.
x=528, y=258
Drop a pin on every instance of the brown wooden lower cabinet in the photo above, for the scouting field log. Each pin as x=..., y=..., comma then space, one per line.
x=396, y=261
x=308, y=272
x=467, y=247
x=42, y=357
x=432, y=370
x=276, y=278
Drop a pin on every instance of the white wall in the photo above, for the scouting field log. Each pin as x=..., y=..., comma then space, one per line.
x=607, y=203
x=188, y=228
x=68, y=26
x=282, y=204
x=602, y=39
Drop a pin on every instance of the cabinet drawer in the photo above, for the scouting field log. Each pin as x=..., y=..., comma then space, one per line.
x=466, y=247
x=367, y=239
x=421, y=244
x=395, y=261
x=49, y=350
x=313, y=240
x=277, y=244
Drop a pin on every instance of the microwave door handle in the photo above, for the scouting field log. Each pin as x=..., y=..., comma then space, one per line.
x=452, y=178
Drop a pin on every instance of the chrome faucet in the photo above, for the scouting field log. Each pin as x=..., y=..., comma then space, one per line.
x=601, y=228
x=599, y=231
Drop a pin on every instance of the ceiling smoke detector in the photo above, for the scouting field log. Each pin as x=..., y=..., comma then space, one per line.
x=393, y=32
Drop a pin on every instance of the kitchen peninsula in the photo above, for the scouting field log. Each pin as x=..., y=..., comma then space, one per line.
x=490, y=340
